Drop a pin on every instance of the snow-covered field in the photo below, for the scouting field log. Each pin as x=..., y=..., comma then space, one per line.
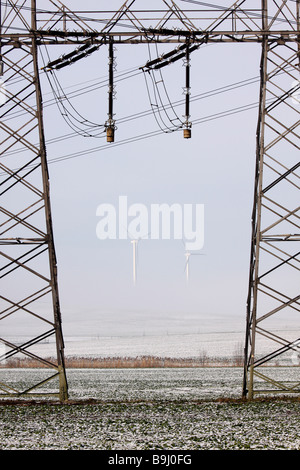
x=158, y=409
x=177, y=409
x=166, y=384
x=177, y=346
x=213, y=344
x=184, y=426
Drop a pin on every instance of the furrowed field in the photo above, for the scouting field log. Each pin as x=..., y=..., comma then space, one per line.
x=138, y=409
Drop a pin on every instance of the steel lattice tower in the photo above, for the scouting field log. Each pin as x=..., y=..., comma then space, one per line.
x=28, y=269
x=273, y=298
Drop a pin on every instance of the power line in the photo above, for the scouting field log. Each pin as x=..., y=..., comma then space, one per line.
x=121, y=76
x=76, y=120
x=148, y=112
x=147, y=135
x=202, y=120
x=156, y=108
x=256, y=15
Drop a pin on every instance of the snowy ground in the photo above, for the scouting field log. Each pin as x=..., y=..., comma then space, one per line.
x=137, y=384
x=142, y=409
x=214, y=344
x=156, y=409
x=177, y=346
x=184, y=426
x=167, y=384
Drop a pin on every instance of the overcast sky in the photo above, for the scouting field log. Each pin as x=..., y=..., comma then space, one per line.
x=214, y=168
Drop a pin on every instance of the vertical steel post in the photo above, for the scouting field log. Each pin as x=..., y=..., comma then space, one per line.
x=256, y=218
x=63, y=389
x=27, y=254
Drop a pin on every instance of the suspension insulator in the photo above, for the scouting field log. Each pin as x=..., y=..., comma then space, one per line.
x=110, y=134
x=187, y=133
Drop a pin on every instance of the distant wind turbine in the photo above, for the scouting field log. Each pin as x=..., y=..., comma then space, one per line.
x=187, y=255
x=187, y=265
x=134, y=261
x=135, y=242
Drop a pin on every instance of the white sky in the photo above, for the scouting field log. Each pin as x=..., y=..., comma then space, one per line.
x=214, y=168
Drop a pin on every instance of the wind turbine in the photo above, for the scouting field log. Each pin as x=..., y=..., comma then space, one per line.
x=135, y=242
x=187, y=255
x=134, y=261
x=187, y=265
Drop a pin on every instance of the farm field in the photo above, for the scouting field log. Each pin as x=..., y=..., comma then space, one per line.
x=154, y=409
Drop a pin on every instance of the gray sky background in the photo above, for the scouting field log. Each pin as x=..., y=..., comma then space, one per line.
x=214, y=168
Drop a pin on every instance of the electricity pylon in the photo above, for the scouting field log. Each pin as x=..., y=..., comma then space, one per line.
x=26, y=230
x=29, y=289
x=273, y=296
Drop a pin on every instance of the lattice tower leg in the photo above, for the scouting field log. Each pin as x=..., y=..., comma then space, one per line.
x=29, y=300
x=273, y=306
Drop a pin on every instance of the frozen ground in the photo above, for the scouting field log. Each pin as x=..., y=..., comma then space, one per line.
x=176, y=346
x=128, y=409
x=213, y=344
x=138, y=409
x=167, y=384
x=136, y=384
x=140, y=426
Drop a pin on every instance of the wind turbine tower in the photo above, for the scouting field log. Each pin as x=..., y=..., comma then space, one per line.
x=134, y=261
x=187, y=265
x=187, y=255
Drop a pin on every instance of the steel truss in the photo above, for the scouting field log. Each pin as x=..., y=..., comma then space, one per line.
x=26, y=226
x=273, y=295
x=28, y=268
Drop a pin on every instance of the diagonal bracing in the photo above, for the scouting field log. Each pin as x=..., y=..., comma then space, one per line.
x=29, y=292
x=273, y=299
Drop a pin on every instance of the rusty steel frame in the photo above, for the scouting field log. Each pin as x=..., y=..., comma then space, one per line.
x=26, y=231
